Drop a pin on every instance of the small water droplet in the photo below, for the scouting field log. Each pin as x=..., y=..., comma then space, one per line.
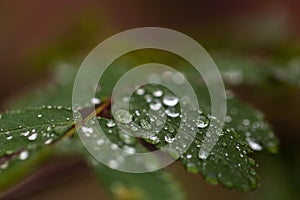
x=170, y=100
x=33, y=136
x=4, y=165
x=129, y=150
x=169, y=138
x=23, y=155
x=155, y=106
x=100, y=142
x=202, y=121
x=40, y=115
x=189, y=156
x=158, y=93
x=254, y=145
x=123, y=116
x=172, y=112
x=140, y=91
x=110, y=124
x=113, y=164
x=95, y=101
x=203, y=154
x=48, y=141
x=9, y=137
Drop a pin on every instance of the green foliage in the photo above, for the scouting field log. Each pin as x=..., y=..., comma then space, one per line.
x=46, y=126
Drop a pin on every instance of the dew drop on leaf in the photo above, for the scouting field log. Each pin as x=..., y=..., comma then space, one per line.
x=202, y=121
x=33, y=136
x=123, y=116
x=172, y=112
x=170, y=100
x=110, y=124
x=23, y=155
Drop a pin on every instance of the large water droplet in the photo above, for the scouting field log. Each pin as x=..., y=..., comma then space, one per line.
x=170, y=100
x=123, y=116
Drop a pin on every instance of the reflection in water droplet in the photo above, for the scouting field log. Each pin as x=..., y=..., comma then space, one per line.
x=158, y=93
x=155, y=105
x=140, y=91
x=172, y=112
x=123, y=116
x=170, y=100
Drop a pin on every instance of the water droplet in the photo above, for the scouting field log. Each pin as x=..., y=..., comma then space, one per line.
x=140, y=91
x=155, y=105
x=254, y=145
x=203, y=154
x=170, y=100
x=158, y=93
x=48, y=141
x=26, y=133
x=87, y=130
x=172, y=112
x=189, y=156
x=95, y=101
x=246, y=122
x=40, y=115
x=100, y=142
x=129, y=150
x=9, y=137
x=110, y=124
x=114, y=147
x=113, y=164
x=153, y=139
x=4, y=165
x=202, y=121
x=169, y=138
x=23, y=155
x=123, y=116
x=33, y=136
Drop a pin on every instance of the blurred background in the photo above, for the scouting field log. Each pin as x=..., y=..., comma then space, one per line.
x=35, y=35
